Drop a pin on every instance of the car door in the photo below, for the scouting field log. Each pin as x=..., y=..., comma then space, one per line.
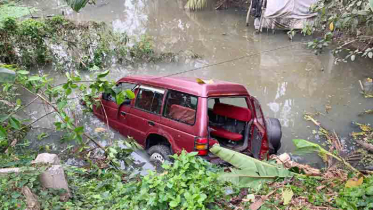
x=123, y=109
x=259, y=143
x=144, y=116
x=114, y=114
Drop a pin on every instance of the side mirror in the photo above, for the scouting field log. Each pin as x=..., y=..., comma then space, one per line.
x=126, y=102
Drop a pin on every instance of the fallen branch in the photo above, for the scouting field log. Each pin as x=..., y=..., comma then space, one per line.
x=31, y=199
x=59, y=114
x=365, y=145
x=286, y=161
x=37, y=120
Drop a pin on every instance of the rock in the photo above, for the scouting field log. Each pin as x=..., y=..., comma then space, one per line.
x=54, y=178
x=31, y=199
x=7, y=75
x=4, y=171
x=368, y=86
x=47, y=158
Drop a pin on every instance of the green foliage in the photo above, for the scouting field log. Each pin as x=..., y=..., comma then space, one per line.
x=142, y=48
x=62, y=42
x=304, y=146
x=11, y=10
x=77, y=5
x=189, y=183
x=250, y=172
x=349, y=23
x=318, y=45
x=360, y=197
x=42, y=88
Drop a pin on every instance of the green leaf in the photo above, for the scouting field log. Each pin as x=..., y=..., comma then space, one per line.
x=61, y=104
x=369, y=190
x=14, y=123
x=287, y=195
x=7, y=75
x=42, y=136
x=120, y=97
x=68, y=91
x=58, y=125
x=304, y=147
x=79, y=130
x=371, y=4
x=174, y=203
x=130, y=94
x=77, y=5
x=23, y=72
x=103, y=74
x=18, y=102
x=3, y=133
x=34, y=78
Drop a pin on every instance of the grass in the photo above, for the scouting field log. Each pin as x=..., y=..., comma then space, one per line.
x=13, y=10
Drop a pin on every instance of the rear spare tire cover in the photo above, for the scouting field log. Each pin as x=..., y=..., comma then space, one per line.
x=274, y=134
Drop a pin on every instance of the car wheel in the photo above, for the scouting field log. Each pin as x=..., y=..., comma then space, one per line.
x=274, y=135
x=159, y=154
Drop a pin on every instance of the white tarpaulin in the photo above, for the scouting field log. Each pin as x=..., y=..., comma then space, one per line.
x=286, y=14
x=297, y=9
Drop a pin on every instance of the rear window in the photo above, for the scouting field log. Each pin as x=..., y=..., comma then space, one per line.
x=181, y=107
x=236, y=101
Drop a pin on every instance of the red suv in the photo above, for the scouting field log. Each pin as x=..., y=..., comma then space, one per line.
x=170, y=114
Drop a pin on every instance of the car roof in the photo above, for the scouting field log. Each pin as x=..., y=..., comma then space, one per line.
x=190, y=85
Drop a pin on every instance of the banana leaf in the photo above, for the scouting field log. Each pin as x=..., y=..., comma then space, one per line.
x=250, y=172
x=196, y=4
x=304, y=147
x=77, y=5
x=7, y=75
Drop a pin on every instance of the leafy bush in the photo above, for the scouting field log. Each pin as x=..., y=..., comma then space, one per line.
x=189, y=183
x=65, y=44
x=349, y=23
x=357, y=197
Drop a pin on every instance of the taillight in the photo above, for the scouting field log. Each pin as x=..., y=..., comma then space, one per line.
x=201, y=145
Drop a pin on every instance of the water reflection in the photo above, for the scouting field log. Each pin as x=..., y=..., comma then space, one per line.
x=287, y=82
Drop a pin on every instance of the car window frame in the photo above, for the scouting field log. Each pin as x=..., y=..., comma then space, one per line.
x=155, y=89
x=165, y=102
x=135, y=85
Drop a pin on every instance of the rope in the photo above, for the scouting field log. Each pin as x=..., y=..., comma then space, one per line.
x=228, y=61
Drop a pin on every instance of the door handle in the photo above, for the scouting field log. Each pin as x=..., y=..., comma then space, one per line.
x=151, y=123
x=123, y=113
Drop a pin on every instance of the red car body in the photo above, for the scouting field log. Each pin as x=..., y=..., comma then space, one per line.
x=177, y=113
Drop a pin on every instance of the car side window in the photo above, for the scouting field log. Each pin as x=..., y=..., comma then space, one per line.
x=181, y=107
x=120, y=87
x=149, y=99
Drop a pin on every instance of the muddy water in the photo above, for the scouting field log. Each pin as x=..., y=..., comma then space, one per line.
x=288, y=82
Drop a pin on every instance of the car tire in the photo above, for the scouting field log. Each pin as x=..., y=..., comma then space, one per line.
x=159, y=154
x=274, y=134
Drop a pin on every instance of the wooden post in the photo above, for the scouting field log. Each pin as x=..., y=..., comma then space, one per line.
x=248, y=13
